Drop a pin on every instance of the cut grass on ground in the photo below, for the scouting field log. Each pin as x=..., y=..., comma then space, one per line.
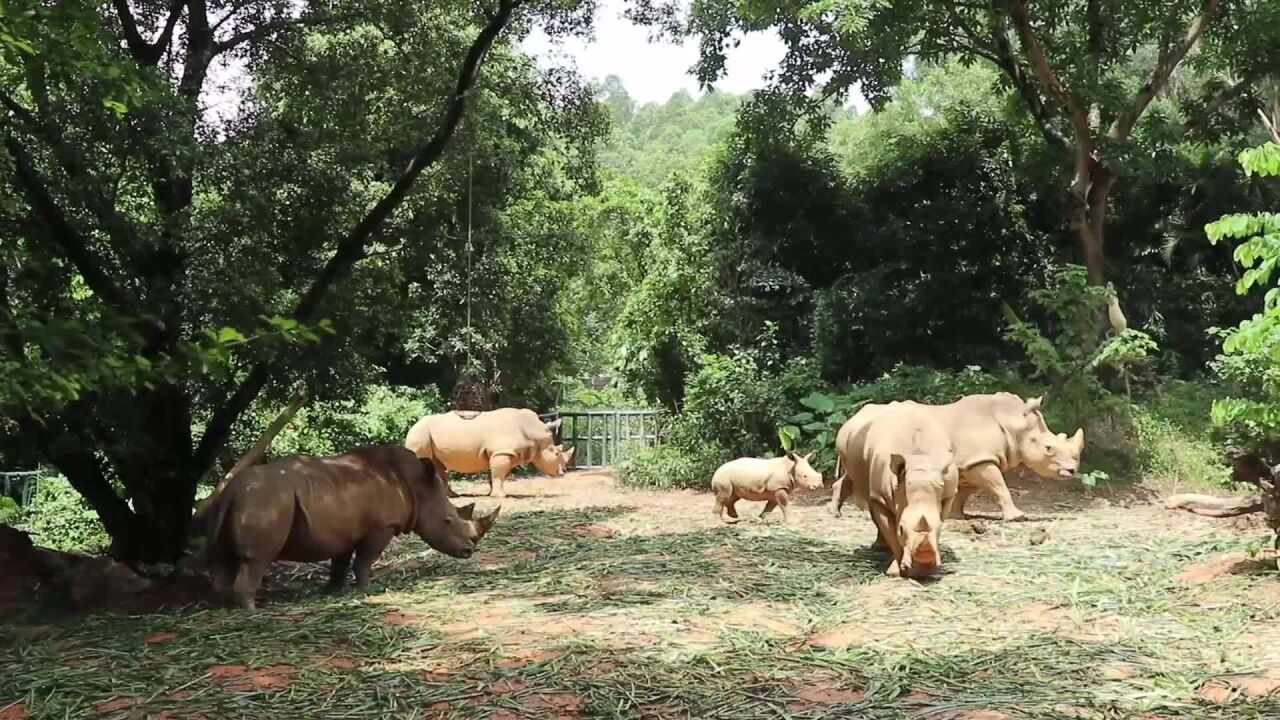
x=589, y=601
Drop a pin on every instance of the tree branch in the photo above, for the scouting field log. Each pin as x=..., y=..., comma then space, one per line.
x=145, y=53
x=351, y=248
x=117, y=227
x=1168, y=62
x=69, y=241
x=1005, y=59
x=272, y=26
x=1044, y=73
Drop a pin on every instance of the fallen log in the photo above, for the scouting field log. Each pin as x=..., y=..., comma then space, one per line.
x=1214, y=506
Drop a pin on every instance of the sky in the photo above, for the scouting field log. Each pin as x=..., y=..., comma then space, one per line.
x=652, y=72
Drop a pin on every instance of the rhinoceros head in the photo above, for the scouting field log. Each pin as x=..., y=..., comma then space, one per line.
x=553, y=460
x=802, y=473
x=1046, y=453
x=448, y=529
x=924, y=477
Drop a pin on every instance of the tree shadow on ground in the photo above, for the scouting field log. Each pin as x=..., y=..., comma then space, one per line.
x=341, y=660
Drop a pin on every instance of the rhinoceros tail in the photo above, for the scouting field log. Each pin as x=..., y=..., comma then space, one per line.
x=214, y=516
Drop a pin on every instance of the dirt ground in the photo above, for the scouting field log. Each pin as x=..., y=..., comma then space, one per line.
x=589, y=600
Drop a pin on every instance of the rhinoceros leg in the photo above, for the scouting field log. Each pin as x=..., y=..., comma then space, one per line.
x=880, y=544
x=499, y=467
x=992, y=480
x=768, y=508
x=886, y=522
x=339, y=566
x=369, y=549
x=783, y=499
x=962, y=497
x=248, y=578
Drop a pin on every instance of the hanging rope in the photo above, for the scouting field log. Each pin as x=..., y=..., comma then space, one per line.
x=469, y=394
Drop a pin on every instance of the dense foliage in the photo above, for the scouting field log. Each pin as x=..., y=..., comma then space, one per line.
x=1250, y=357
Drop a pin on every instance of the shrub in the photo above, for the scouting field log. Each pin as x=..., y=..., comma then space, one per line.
x=731, y=402
x=1068, y=355
x=10, y=511
x=672, y=466
x=383, y=415
x=59, y=518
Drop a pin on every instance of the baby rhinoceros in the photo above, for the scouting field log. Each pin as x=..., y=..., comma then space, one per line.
x=307, y=509
x=902, y=469
x=772, y=480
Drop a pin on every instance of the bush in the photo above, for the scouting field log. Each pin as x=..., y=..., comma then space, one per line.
x=1068, y=354
x=383, y=415
x=669, y=466
x=10, y=511
x=59, y=518
x=732, y=403
x=1250, y=358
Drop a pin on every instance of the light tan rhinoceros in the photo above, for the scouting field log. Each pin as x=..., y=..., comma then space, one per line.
x=899, y=465
x=771, y=480
x=991, y=434
x=496, y=440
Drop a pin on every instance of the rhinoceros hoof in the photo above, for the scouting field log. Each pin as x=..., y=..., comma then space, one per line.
x=833, y=511
x=1015, y=517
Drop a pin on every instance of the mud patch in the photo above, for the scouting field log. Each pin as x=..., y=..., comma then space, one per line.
x=1237, y=563
x=563, y=704
x=594, y=530
x=160, y=638
x=820, y=694
x=240, y=678
x=16, y=711
x=114, y=705
x=1250, y=686
x=760, y=616
x=397, y=617
x=521, y=657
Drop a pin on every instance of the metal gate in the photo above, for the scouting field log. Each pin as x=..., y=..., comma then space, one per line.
x=606, y=437
x=21, y=486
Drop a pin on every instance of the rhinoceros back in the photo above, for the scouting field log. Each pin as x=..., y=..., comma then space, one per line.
x=983, y=428
x=464, y=442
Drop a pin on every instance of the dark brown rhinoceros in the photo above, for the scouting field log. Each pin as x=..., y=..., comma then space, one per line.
x=307, y=509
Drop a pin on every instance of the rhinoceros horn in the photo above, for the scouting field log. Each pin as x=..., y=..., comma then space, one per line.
x=484, y=522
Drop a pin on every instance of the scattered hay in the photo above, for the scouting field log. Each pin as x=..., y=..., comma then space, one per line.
x=669, y=615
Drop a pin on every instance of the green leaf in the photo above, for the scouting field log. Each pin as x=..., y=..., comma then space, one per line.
x=230, y=335
x=818, y=401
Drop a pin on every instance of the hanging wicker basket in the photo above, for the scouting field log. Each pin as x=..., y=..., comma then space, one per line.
x=471, y=395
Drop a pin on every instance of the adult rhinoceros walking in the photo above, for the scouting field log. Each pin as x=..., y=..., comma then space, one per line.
x=990, y=434
x=496, y=440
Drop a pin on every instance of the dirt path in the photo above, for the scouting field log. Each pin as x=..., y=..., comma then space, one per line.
x=588, y=600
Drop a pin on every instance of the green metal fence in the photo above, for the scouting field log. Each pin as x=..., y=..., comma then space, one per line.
x=605, y=437
x=21, y=486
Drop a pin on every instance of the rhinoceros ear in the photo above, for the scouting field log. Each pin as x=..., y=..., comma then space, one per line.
x=1077, y=441
x=466, y=511
x=554, y=425
x=1034, y=404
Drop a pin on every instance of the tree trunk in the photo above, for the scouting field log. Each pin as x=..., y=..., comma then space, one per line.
x=1090, y=197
